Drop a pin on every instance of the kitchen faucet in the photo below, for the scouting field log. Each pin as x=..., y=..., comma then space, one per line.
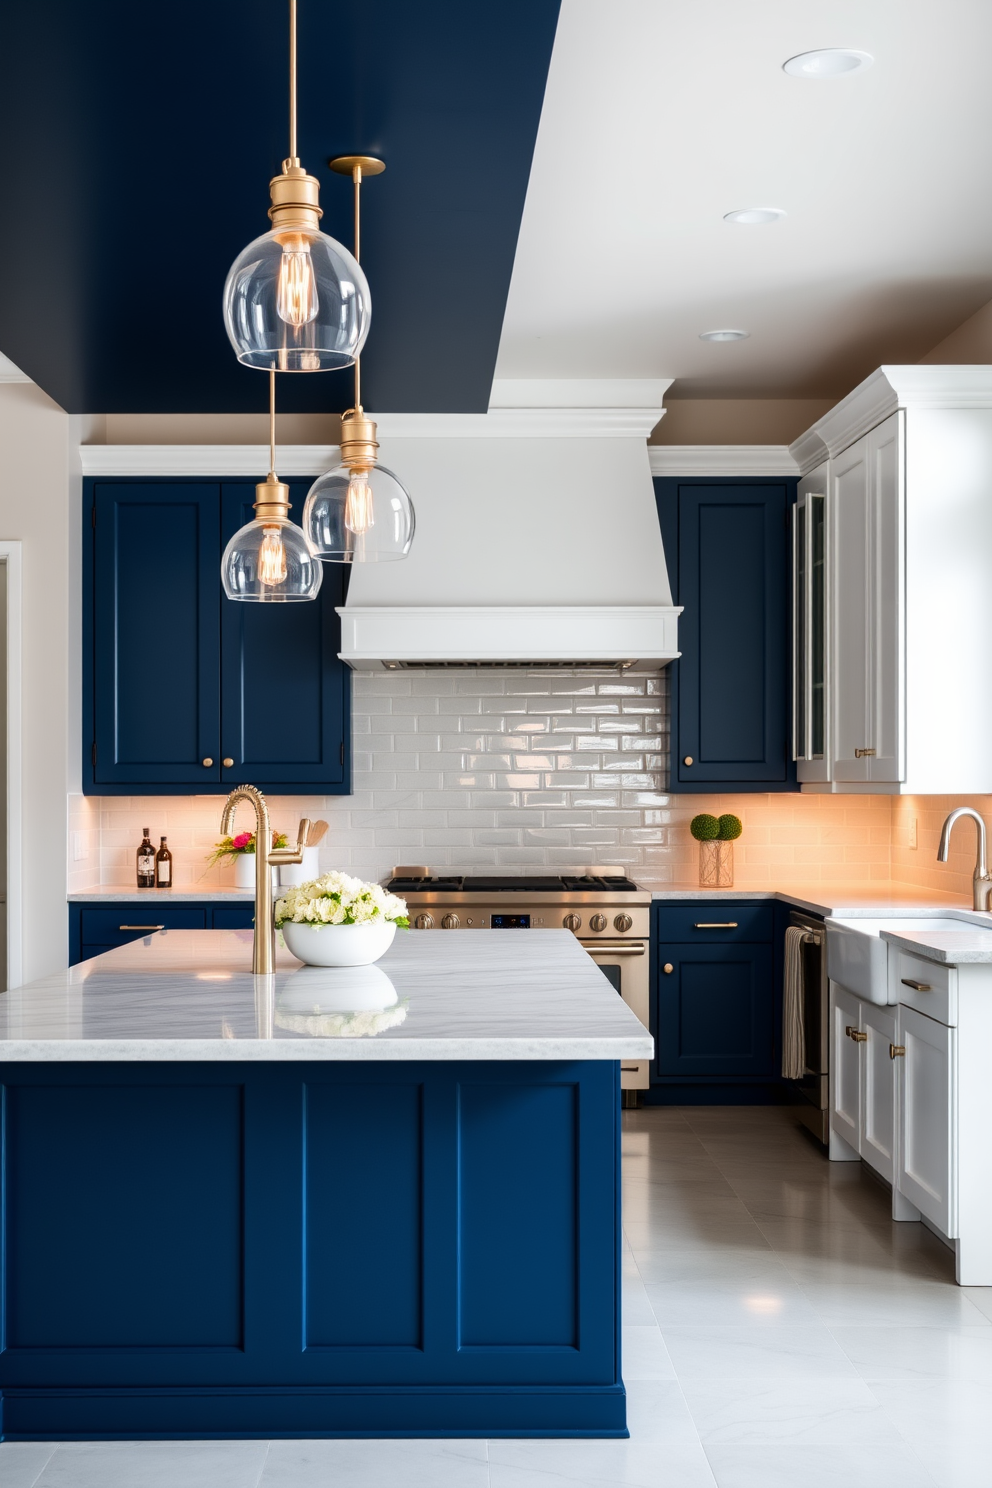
x=981, y=883
x=263, y=960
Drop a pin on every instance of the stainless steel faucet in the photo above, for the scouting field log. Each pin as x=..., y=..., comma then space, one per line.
x=981, y=883
x=263, y=960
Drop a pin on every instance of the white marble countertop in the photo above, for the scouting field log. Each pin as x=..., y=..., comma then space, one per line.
x=190, y=994
x=971, y=945
x=852, y=901
x=190, y=894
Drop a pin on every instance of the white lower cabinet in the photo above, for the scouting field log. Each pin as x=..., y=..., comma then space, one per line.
x=862, y=1081
x=926, y=1099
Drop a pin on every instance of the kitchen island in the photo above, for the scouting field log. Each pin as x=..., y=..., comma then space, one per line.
x=376, y=1201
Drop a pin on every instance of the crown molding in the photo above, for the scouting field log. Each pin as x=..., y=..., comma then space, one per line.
x=523, y=423
x=10, y=373
x=889, y=388
x=206, y=459
x=721, y=459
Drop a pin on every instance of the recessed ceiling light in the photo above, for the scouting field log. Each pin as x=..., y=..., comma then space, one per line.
x=829, y=62
x=724, y=335
x=753, y=216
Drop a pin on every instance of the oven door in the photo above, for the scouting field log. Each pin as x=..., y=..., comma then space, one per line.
x=624, y=963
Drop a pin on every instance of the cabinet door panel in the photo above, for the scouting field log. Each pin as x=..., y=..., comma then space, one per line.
x=888, y=664
x=925, y=1170
x=851, y=612
x=284, y=692
x=732, y=679
x=878, y=1089
x=715, y=1010
x=845, y=1066
x=156, y=636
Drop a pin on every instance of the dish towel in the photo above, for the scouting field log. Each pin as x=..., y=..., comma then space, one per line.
x=793, y=1026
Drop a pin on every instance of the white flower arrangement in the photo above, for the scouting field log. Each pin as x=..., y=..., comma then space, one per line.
x=338, y=899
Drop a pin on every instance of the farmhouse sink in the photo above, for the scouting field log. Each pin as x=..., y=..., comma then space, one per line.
x=857, y=956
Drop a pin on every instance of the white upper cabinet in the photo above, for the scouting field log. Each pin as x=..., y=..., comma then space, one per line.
x=904, y=469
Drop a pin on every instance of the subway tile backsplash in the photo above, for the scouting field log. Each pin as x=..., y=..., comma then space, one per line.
x=527, y=770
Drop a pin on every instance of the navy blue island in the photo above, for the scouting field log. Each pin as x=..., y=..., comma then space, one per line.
x=371, y=1202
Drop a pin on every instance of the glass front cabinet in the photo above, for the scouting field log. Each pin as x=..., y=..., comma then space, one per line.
x=809, y=629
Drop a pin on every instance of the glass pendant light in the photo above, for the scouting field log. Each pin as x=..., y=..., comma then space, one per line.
x=269, y=559
x=358, y=512
x=295, y=300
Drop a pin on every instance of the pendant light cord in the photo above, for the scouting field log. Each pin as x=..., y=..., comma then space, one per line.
x=292, y=81
x=272, y=421
x=356, y=176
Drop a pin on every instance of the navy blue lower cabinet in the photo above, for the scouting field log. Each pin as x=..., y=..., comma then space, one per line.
x=177, y=678
x=297, y=1249
x=716, y=1002
x=727, y=547
x=94, y=928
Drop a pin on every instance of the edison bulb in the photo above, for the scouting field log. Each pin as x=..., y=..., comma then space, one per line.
x=270, y=561
x=296, y=294
x=272, y=558
x=296, y=301
x=359, y=516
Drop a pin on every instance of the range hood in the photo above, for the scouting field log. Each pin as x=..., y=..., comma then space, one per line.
x=537, y=537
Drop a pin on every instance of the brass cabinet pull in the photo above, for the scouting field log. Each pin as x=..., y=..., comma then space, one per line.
x=227, y=763
x=668, y=968
x=624, y=948
x=141, y=927
x=716, y=925
x=207, y=762
x=856, y=1034
x=864, y=754
x=896, y=1051
x=916, y=986
x=630, y=1069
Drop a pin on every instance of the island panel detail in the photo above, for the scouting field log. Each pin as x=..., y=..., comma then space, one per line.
x=266, y=1249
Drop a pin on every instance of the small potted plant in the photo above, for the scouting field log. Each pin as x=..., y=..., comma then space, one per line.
x=339, y=921
x=242, y=849
x=716, y=836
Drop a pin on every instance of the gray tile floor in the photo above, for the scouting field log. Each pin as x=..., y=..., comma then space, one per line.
x=779, y=1330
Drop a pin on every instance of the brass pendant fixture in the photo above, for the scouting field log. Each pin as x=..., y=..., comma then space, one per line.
x=269, y=561
x=359, y=512
x=295, y=300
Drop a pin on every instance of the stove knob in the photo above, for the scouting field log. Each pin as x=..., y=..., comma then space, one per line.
x=622, y=922
x=450, y=922
x=572, y=922
x=598, y=922
x=424, y=922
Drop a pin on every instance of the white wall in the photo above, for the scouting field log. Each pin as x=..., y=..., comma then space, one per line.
x=39, y=507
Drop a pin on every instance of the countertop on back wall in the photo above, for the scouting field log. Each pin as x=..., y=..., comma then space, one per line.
x=849, y=900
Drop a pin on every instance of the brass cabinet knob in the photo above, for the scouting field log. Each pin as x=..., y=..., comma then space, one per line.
x=668, y=968
x=687, y=760
x=207, y=762
x=228, y=762
x=896, y=1050
x=856, y=1034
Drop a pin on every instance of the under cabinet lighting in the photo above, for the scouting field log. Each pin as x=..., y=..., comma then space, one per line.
x=724, y=335
x=754, y=216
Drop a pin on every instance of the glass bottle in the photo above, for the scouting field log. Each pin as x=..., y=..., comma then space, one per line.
x=163, y=867
x=146, y=862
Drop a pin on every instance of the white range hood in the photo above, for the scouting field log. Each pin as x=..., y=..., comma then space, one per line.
x=537, y=537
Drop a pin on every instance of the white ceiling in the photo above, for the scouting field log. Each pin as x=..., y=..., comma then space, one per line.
x=662, y=115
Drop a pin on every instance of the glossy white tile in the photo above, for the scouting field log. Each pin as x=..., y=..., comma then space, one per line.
x=163, y=1464
x=759, y=1412
x=855, y=1465
x=517, y=1464
x=752, y=1351
x=644, y=1354
x=21, y=1463
x=373, y=1464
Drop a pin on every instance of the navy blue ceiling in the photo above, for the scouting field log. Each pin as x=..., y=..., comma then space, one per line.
x=137, y=142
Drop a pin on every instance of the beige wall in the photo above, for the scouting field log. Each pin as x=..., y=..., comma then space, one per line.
x=39, y=507
x=737, y=420
x=971, y=342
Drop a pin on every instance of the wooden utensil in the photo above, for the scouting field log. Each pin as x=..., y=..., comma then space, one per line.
x=317, y=832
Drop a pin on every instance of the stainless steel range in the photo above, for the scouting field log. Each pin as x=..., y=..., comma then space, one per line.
x=603, y=908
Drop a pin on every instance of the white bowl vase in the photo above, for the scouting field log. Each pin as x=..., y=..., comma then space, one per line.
x=244, y=872
x=339, y=945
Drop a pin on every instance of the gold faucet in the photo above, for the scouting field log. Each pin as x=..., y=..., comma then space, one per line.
x=263, y=960
x=981, y=881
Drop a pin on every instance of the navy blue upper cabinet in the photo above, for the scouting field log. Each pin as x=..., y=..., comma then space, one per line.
x=175, y=674
x=727, y=550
